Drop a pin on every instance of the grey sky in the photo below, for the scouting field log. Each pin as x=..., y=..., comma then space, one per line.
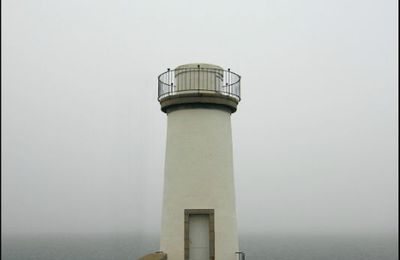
x=315, y=137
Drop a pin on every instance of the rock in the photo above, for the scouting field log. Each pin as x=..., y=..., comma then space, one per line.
x=154, y=256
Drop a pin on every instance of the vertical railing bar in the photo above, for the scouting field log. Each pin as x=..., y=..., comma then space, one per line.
x=171, y=83
x=198, y=78
x=223, y=80
x=173, y=77
x=207, y=81
x=168, y=77
x=229, y=81
x=171, y=87
x=216, y=80
x=202, y=77
x=239, y=86
x=226, y=82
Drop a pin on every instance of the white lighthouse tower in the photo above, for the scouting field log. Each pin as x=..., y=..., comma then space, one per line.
x=199, y=214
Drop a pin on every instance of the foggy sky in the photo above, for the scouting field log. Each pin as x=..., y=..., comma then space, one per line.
x=314, y=138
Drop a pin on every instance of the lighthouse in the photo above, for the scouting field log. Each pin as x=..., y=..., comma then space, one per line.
x=199, y=212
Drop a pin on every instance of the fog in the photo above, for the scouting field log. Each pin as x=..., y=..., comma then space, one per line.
x=314, y=137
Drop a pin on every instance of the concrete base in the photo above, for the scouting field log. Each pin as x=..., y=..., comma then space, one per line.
x=154, y=256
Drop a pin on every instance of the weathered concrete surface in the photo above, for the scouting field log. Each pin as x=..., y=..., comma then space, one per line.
x=154, y=256
x=199, y=175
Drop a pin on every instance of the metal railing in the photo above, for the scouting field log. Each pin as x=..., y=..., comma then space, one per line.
x=199, y=80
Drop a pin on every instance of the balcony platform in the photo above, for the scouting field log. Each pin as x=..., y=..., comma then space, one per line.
x=199, y=85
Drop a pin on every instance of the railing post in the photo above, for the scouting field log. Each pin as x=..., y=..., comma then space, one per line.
x=169, y=76
x=229, y=81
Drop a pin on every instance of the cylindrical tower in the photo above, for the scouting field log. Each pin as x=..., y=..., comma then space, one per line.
x=199, y=214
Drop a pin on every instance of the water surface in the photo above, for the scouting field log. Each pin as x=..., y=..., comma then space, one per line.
x=256, y=247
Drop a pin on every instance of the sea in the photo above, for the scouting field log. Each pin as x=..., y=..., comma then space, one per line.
x=129, y=246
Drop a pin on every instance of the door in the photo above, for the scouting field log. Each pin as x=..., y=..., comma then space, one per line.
x=199, y=238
